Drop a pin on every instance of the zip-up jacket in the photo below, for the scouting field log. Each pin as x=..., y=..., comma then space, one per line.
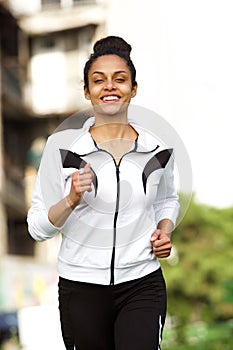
x=106, y=238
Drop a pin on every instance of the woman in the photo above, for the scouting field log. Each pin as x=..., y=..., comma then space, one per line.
x=108, y=188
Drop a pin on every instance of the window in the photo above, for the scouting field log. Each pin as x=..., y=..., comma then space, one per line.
x=84, y=2
x=19, y=240
x=45, y=3
x=50, y=2
x=65, y=3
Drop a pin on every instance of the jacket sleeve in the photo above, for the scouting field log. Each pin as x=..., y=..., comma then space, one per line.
x=48, y=190
x=166, y=205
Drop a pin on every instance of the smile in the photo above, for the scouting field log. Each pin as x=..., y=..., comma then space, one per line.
x=110, y=98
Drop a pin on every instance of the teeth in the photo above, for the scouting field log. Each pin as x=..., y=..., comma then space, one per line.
x=110, y=98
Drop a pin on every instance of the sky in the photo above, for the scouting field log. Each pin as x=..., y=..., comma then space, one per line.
x=183, y=54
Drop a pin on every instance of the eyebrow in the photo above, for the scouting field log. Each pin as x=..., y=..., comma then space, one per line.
x=117, y=72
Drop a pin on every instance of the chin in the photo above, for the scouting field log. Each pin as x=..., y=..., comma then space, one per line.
x=111, y=109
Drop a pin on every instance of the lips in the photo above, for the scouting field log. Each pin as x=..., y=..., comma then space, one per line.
x=110, y=98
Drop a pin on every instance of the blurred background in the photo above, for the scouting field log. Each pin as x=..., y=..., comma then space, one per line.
x=183, y=54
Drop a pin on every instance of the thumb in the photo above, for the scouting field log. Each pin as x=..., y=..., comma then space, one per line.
x=154, y=236
x=87, y=166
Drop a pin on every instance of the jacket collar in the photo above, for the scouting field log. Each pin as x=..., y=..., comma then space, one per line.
x=146, y=141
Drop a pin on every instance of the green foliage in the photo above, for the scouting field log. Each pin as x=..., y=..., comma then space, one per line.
x=201, y=336
x=200, y=278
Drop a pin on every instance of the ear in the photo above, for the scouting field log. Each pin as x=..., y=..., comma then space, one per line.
x=86, y=93
x=134, y=90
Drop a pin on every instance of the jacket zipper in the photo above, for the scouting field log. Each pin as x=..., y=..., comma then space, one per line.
x=112, y=265
x=114, y=225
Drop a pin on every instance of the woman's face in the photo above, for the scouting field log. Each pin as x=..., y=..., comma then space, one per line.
x=110, y=86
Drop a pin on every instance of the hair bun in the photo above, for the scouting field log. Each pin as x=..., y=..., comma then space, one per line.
x=114, y=43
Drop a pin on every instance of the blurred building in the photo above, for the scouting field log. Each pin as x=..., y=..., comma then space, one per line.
x=43, y=47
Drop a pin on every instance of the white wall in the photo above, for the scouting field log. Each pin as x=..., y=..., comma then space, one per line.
x=25, y=6
x=182, y=51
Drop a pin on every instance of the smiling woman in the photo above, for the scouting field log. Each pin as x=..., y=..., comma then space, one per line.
x=109, y=83
x=116, y=215
x=110, y=78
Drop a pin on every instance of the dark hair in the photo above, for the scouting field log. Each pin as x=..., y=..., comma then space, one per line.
x=111, y=45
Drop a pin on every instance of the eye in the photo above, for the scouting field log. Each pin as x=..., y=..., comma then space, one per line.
x=98, y=81
x=120, y=80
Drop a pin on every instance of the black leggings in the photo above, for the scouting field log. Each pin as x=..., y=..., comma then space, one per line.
x=126, y=316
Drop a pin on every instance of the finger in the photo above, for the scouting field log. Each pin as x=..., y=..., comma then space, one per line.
x=159, y=253
x=82, y=179
x=85, y=182
x=87, y=166
x=163, y=240
x=161, y=249
x=165, y=255
x=86, y=170
x=75, y=177
x=89, y=171
x=162, y=254
x=81, y=171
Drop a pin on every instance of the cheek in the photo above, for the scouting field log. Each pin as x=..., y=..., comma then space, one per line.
x=127, y=90
x=93, y=92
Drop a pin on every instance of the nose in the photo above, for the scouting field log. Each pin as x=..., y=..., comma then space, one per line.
x=109, y=84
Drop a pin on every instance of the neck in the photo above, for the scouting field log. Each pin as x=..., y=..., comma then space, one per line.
x=116, y=138
x=101, y=119
x=112, y=131
x=110, y=126
x=111, y=114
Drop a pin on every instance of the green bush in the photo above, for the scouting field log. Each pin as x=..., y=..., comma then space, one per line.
x=201, y=337
x=199, y=276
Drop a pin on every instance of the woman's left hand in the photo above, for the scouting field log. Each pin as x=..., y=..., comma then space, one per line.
x=161, y=244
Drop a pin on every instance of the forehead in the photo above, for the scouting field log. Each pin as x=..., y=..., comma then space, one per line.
x=109, y=63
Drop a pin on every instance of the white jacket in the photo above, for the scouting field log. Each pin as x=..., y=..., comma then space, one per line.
x=106, y=239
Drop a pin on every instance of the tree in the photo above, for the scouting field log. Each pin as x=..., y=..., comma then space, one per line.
x=199, y=274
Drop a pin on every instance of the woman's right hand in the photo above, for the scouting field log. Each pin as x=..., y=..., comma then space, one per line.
x=81, y=182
